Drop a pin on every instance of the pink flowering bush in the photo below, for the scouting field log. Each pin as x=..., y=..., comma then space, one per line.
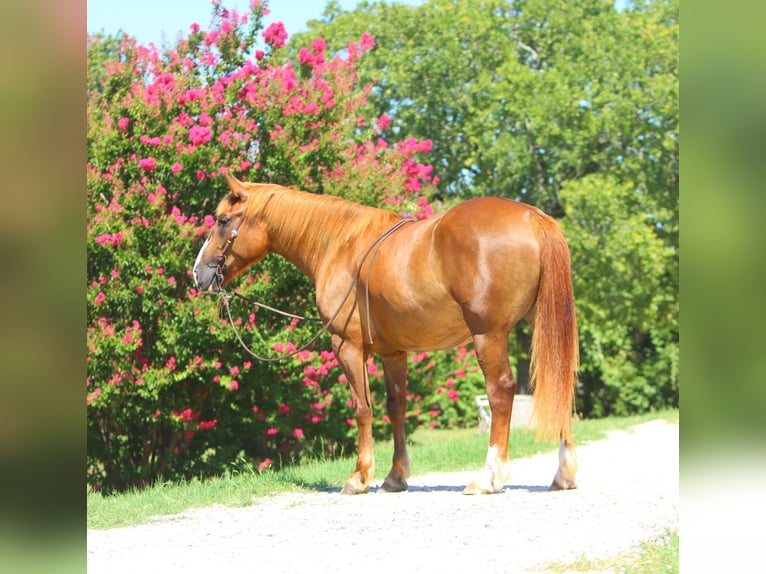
x=169, y=391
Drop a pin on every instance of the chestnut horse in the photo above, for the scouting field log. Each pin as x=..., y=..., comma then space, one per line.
x=386, y=285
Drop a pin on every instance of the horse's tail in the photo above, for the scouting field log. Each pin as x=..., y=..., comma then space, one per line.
x=555, y=349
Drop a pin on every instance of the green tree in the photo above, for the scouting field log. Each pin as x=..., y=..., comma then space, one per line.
x=627, y=308
x=518, y=97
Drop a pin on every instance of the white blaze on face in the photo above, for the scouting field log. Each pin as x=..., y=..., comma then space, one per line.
x=198, y=259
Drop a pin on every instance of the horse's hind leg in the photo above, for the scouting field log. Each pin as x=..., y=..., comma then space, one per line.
x=395, y=370
x=565, y=475
x=492, y=352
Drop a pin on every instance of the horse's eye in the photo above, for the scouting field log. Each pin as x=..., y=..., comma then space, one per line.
x=223, y=220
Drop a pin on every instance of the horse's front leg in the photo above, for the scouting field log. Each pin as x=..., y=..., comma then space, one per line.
x=353, y=361
x=395, y=370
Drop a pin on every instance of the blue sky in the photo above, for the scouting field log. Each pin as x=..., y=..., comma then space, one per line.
x=155, y=20
x=161, y=20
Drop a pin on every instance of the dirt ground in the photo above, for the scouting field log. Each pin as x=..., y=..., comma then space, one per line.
x=628, y=492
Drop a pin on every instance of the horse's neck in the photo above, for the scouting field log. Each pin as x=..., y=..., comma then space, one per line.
x=308, y=230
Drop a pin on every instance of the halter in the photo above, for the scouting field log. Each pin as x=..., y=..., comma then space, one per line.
x=325, y=327
x=220, y=260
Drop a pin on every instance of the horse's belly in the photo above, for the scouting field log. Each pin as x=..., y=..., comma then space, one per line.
x=428, y=327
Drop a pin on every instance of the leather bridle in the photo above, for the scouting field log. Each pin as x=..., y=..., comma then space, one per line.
x=220, y=260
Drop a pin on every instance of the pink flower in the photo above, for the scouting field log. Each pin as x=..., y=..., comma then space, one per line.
x=99, y=298
x=366, y=42
x=233, y=385
x=265, y=464
x=112, y=240
x=275, y=35
x=140, y=289
x=199, y=135
x=207, y=425
x=122, y=123
x=284, y=409
x=298, y=433
x=186, y=416
x=147, y=163
x=92, y=396
x=176, y=167
x=305, y=56
x=319, y=45
x=256, y=4
x=154, y=142
x=272, y=431
x=383, y=122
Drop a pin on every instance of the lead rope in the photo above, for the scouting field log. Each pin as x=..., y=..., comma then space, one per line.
x=375, y=245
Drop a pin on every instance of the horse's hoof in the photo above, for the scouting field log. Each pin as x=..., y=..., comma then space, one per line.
x=393, y=485
x=562, y=484
x=475, y=488
x=354, y=487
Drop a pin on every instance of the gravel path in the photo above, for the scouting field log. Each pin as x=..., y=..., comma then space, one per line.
x=628, y=492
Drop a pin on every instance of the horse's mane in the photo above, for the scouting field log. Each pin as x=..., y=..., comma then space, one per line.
x=304, y=217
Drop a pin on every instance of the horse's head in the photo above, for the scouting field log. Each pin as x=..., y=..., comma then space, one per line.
x=236, y=241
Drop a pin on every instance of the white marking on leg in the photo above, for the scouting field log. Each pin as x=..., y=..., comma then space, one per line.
x=567, y=471
x=494, y=475
x=499, y=469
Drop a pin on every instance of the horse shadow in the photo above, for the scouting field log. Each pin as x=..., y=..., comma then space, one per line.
x=331, y=488
x=461, y=487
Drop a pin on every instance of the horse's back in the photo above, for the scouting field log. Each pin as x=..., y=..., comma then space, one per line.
x=490, y=213
x=474, y=267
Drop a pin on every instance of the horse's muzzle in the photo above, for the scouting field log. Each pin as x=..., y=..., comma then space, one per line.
x=206, y=278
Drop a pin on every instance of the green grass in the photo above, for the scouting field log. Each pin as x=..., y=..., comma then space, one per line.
x=659, y=555
x=430, y=451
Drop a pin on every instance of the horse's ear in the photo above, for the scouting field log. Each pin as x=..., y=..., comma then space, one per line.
x=236, y=187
